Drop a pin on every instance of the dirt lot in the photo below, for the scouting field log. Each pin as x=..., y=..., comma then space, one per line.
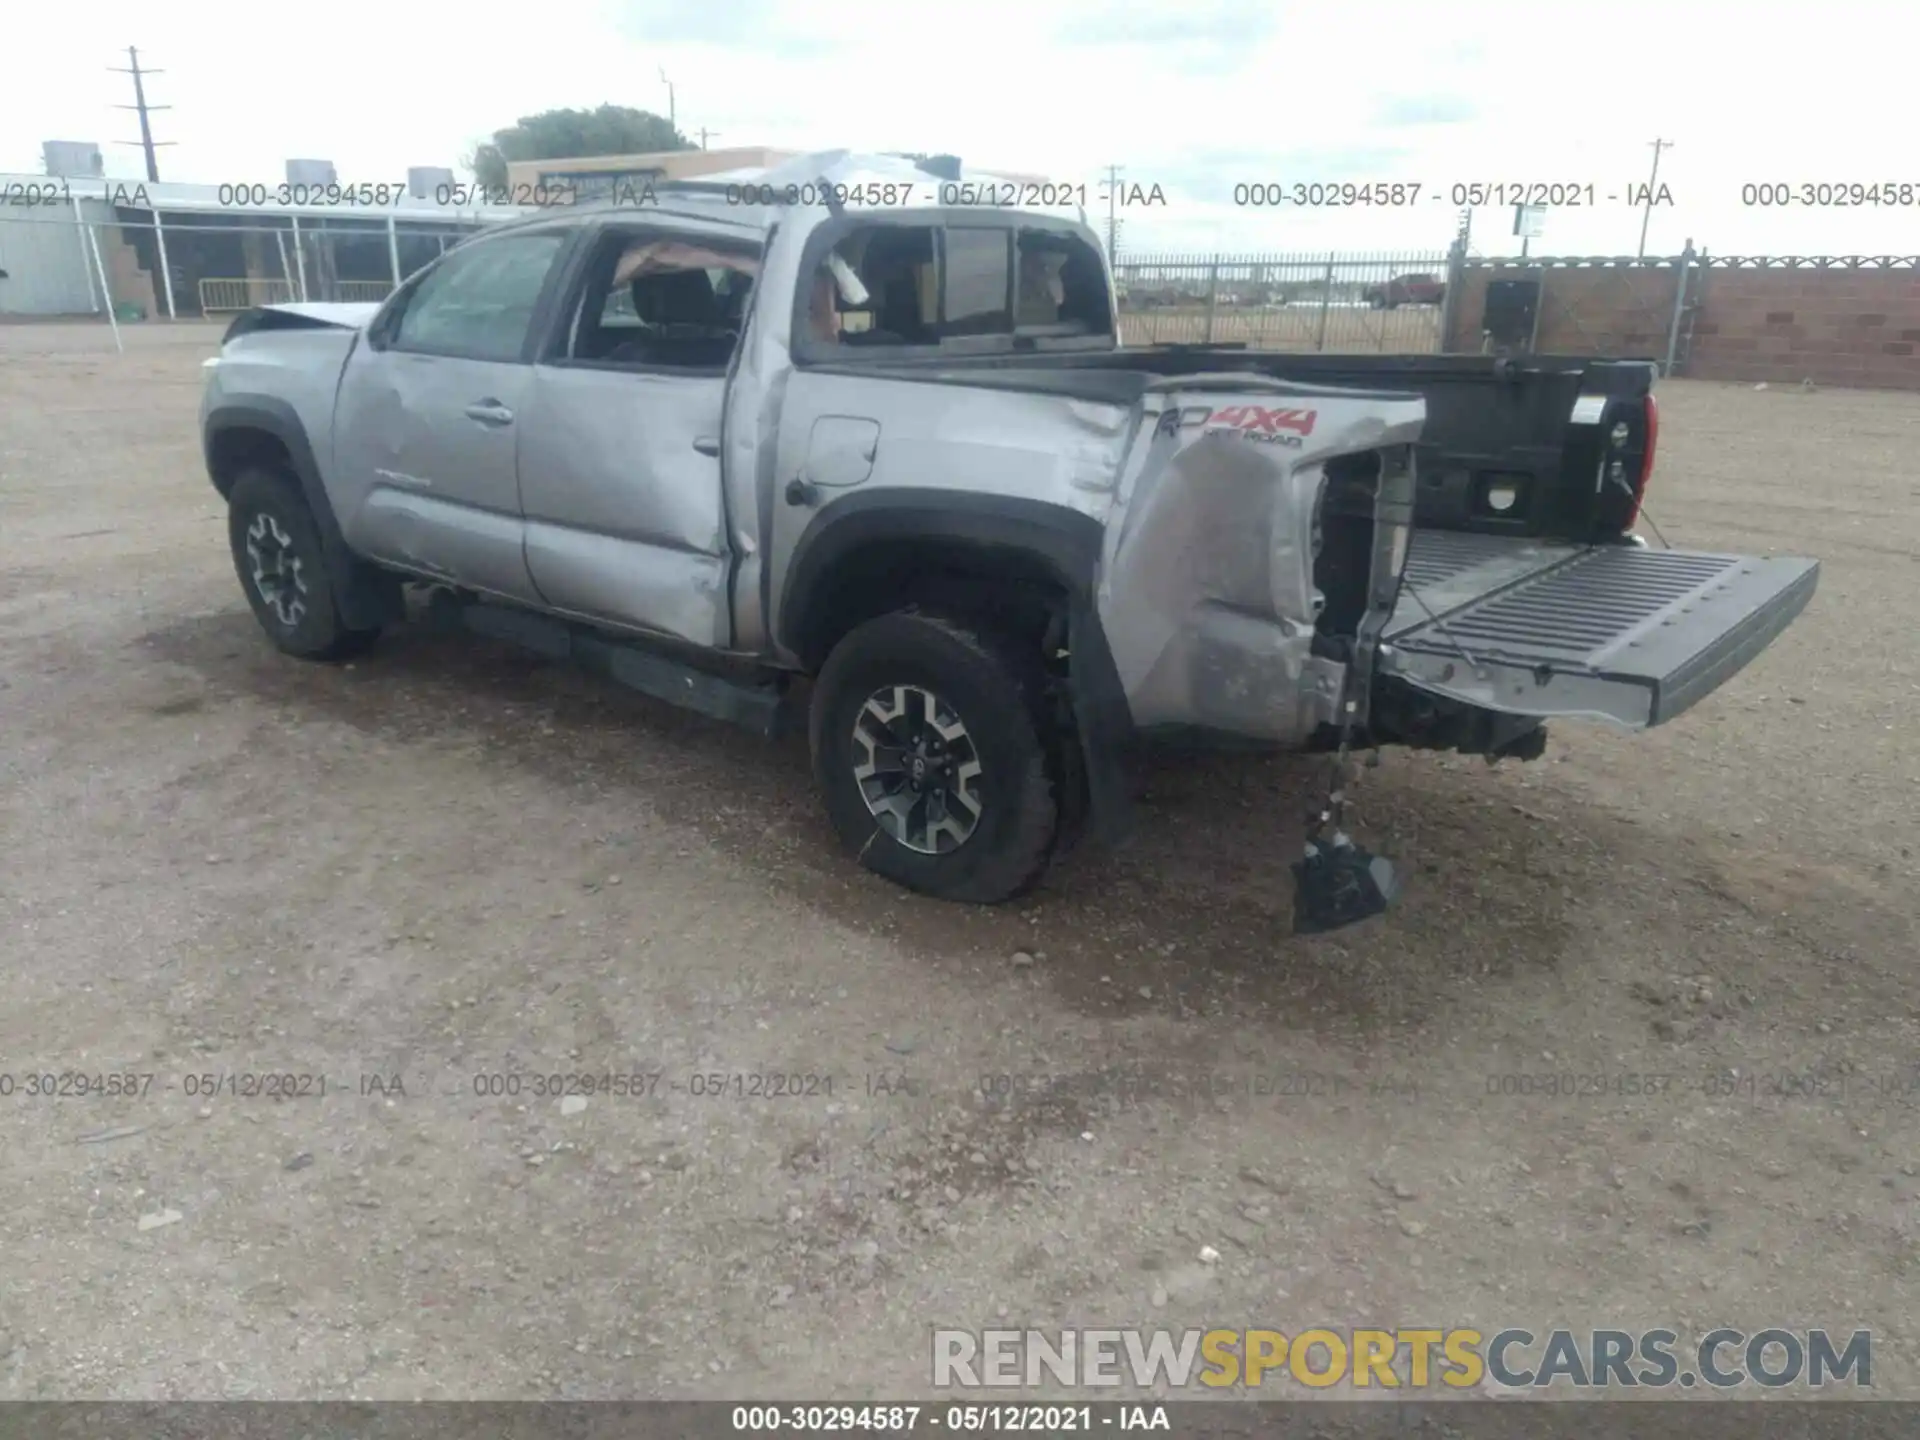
x=448, y=862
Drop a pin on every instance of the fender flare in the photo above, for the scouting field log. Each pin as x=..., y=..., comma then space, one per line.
x=1062, y=544
x=366, y=595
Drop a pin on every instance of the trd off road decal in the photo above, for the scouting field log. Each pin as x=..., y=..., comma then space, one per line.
x=1276, y=426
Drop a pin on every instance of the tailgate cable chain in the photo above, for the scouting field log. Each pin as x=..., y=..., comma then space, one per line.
x=1479, y=670
x=1336, y=883
x=1641, y=508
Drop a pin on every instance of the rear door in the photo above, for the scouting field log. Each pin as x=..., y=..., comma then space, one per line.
x=1618, y=633
x=620, y=447
x=426, y=424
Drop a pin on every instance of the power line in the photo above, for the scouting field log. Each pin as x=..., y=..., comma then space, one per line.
x=1658, y=146
x=146, y=141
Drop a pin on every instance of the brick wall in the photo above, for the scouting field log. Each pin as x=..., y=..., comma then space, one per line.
x=126, y=276
x=1853, y=326
x=1836, y=327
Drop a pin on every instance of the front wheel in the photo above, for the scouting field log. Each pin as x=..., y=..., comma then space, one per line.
x=927, y=739
x=277, y=553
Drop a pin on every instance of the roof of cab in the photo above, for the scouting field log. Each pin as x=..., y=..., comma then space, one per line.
x=725, y=202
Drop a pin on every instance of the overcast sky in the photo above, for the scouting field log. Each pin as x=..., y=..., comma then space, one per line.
x=1196, y=96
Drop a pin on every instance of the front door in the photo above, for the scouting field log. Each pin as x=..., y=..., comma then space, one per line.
x=427, y=425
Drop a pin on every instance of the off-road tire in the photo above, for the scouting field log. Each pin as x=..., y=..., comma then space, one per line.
x=265, y=509
x=996, y=687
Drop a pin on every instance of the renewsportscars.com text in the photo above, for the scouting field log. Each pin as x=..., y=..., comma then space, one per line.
x=1403, y=1358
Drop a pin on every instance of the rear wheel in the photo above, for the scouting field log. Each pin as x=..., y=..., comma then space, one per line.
x=282, y=568
x=928, y=746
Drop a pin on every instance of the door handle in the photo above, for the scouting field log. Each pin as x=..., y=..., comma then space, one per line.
x=707, y=445
x=490, y=412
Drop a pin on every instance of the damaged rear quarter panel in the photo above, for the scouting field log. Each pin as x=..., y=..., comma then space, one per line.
x=1206, y=589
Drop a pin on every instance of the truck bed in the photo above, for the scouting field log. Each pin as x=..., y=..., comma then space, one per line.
x=1490, y=419
x=1543, y=611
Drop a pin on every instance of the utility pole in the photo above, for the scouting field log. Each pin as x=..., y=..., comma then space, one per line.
x=669, y=84
x=1113, y=214
x=140, y=104
x=1658, y=146
x=704, y=132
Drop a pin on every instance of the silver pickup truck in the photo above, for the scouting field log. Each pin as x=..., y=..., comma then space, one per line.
x=835, y=424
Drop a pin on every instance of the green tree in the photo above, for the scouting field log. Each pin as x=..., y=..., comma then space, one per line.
x=565, y=134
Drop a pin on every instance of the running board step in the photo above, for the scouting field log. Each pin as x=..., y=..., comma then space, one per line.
x=762, y=707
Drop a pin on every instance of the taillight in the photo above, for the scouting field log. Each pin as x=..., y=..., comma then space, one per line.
x=1646, y=460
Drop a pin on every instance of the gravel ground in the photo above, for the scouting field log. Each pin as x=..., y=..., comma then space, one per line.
x=448, y=861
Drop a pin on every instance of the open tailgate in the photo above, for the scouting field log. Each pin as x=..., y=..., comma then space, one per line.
x=1616, y=632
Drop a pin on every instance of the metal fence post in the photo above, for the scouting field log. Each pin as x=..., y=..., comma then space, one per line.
x=93, y=244
x=1450, y=302
x=1539, y=309
x=1213, y=294
x=299, y=256
x=1679, y=307
x=1326, y=299
x=166, y=270
x=86, y=257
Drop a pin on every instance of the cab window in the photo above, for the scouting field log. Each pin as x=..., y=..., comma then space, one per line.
x=653, y=301
x=922, y=285
x=477, y=304
x=1061, y=287
x=977, y=296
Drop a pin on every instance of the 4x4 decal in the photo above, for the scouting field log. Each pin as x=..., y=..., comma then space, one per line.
x=1275, y=426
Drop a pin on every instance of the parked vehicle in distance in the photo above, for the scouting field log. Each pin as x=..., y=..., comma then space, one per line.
x=896, y=449
x=1406, y=290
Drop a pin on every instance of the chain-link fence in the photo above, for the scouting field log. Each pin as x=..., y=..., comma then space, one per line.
x=1845, y=319
x=1376, y=302
x=1410, y=302
x=91, y=260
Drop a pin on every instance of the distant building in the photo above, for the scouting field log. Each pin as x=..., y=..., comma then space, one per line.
x=584, y=176
x=168, y=249
x=590, y=176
